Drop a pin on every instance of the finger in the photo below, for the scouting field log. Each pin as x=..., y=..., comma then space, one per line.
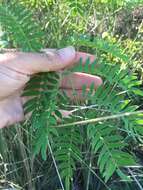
x=75, y=95
x=84, y=57
x=79, y=55
x=77, y=80
x=30, y=63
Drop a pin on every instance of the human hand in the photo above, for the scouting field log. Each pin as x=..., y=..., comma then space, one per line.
x=17, y=67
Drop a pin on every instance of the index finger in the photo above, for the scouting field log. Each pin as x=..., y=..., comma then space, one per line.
x=31, y=63
x=84, y=56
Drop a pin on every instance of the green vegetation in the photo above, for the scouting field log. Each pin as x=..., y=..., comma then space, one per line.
x=100, y=145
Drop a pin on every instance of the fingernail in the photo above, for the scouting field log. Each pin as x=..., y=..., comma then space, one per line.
x=67, y=54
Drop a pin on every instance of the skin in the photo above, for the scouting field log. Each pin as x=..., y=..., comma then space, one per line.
x=16, y=68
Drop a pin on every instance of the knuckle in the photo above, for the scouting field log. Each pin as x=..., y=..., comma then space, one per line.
x=52, y=56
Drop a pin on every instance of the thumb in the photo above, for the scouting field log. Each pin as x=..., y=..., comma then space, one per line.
x=30, y=63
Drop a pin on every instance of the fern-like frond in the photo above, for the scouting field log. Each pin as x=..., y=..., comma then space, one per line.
x=109, y=144
x=21, y=27
x=44, y=91
x=67, y=152
x=43, y=88
x=117, y=75
x=101, y=45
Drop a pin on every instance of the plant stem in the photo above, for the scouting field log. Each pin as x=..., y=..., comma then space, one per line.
x=54, y=161
x=95, y=120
